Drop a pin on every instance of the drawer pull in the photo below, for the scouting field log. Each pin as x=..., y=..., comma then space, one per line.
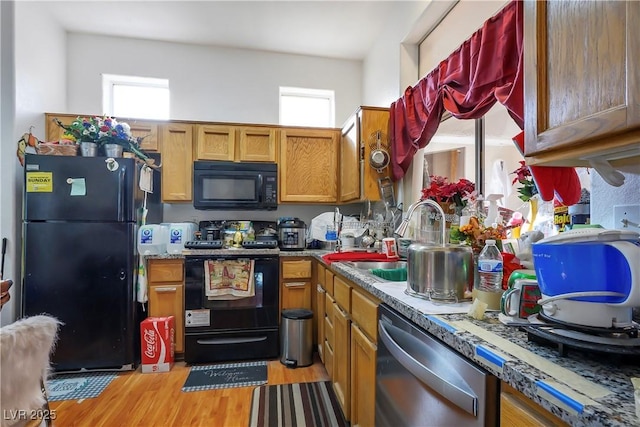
x=295, y=284
x=165, y=289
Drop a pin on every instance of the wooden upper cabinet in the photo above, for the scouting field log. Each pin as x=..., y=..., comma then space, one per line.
x=146, y=130
x=360, y=130
x=139, y=128
x=215, y=142
x=52, y=130
x=582, y=86
x=236, y=143
x=176, y=140
x=308, y=165
x=350, y=162
x=257, y=144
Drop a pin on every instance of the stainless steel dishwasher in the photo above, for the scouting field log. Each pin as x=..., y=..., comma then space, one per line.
x=422, y=382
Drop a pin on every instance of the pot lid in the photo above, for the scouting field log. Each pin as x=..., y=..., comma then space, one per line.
x=290, y=222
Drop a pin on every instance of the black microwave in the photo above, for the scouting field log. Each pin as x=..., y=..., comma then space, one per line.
x=236, y=186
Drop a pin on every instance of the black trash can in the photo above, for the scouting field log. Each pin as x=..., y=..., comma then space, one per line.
x=296, y=337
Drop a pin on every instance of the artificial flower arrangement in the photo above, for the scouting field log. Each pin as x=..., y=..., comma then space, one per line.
x=475, y=234
x=102, y=130
x=442, y=191
x=524, y=177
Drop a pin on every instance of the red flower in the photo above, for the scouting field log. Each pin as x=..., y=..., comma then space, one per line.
x=441, y=190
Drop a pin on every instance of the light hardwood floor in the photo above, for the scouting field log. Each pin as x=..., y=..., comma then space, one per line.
x=156, y=400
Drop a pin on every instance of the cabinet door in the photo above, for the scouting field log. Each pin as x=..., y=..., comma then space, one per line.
x=296, y=295
x=168, y=300
x=350, y=162
x=53, y=132
x=165, y=270
x=215, y=142
x=257, y=144
x=146, y=130
x=581, y=78
x=373, y=120
x=363, y=378
x=517, y=410
x=177, y=165
x=308, y=166
x=342, y=359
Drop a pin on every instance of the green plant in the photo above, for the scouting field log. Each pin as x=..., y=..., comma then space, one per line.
x=524, y=177
x=102, y=130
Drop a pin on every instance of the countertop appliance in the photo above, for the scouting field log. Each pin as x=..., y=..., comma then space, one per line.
x=590, y=284
x=235, y=186
x=420, y=381
x=80, y=257
x=589, y=277
x=292, y=234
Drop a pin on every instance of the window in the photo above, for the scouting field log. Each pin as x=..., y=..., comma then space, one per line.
x=307, y=107
x=139, y=97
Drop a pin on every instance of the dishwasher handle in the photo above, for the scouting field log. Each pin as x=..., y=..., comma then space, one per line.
x=461, y=398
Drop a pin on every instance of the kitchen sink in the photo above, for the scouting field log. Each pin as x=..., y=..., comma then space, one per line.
x=370, y=265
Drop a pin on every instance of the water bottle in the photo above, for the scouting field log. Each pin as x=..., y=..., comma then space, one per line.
x=490, y=268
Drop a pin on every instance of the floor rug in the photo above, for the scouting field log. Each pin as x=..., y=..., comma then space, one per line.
x=227, y=375
x=78, y=386
x=301, y=404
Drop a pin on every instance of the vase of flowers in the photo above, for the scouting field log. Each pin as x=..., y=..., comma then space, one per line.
x=451, y=196
x=93, y=133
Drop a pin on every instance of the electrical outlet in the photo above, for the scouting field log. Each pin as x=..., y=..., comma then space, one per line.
x=630, y=213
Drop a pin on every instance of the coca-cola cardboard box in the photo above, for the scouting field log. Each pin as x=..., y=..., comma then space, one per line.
x=158, y=343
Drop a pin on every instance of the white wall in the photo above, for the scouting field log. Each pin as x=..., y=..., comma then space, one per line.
x=208, y=83
x=604, y=196
x=33, y=67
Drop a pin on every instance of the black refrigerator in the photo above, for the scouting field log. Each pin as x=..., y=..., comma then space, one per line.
x=79, y=256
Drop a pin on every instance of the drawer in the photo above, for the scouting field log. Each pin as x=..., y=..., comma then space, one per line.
x=328, y=281
x=165, y=270
x=296, y=269
x=364, y=313
x=342, y=293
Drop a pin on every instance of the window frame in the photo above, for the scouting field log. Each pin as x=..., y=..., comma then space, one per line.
x=109, y=81
x=300, y=92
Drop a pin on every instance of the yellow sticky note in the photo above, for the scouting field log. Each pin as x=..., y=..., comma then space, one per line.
x=78, y=187
x=39, y=182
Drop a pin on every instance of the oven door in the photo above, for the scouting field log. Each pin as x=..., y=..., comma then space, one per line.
x=258, y=311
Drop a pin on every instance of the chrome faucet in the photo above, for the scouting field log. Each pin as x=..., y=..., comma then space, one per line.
x=402, y=228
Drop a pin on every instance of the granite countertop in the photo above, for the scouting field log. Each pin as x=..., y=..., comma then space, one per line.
x=582, y=388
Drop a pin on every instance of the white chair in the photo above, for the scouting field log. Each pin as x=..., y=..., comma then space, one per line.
x=25, y=349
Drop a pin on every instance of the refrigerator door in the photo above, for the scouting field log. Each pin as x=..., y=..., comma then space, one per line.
x=66, y=188
x=83, y=274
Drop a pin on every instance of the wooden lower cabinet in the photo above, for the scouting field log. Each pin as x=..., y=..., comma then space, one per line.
x=363, y=378
x=517, y=410
x=295, y=290
x=166, y=293
x=353, y=332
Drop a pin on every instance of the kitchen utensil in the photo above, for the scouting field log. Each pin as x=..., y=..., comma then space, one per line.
x=4, y=251
x=386, y=191
x=440, y=273
x=379, y=157
x=589, y=277
x=367, y=240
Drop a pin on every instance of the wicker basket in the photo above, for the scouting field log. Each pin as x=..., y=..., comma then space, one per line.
x=50, y=149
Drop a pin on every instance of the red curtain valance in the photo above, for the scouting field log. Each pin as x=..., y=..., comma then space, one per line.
x=486, y=69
